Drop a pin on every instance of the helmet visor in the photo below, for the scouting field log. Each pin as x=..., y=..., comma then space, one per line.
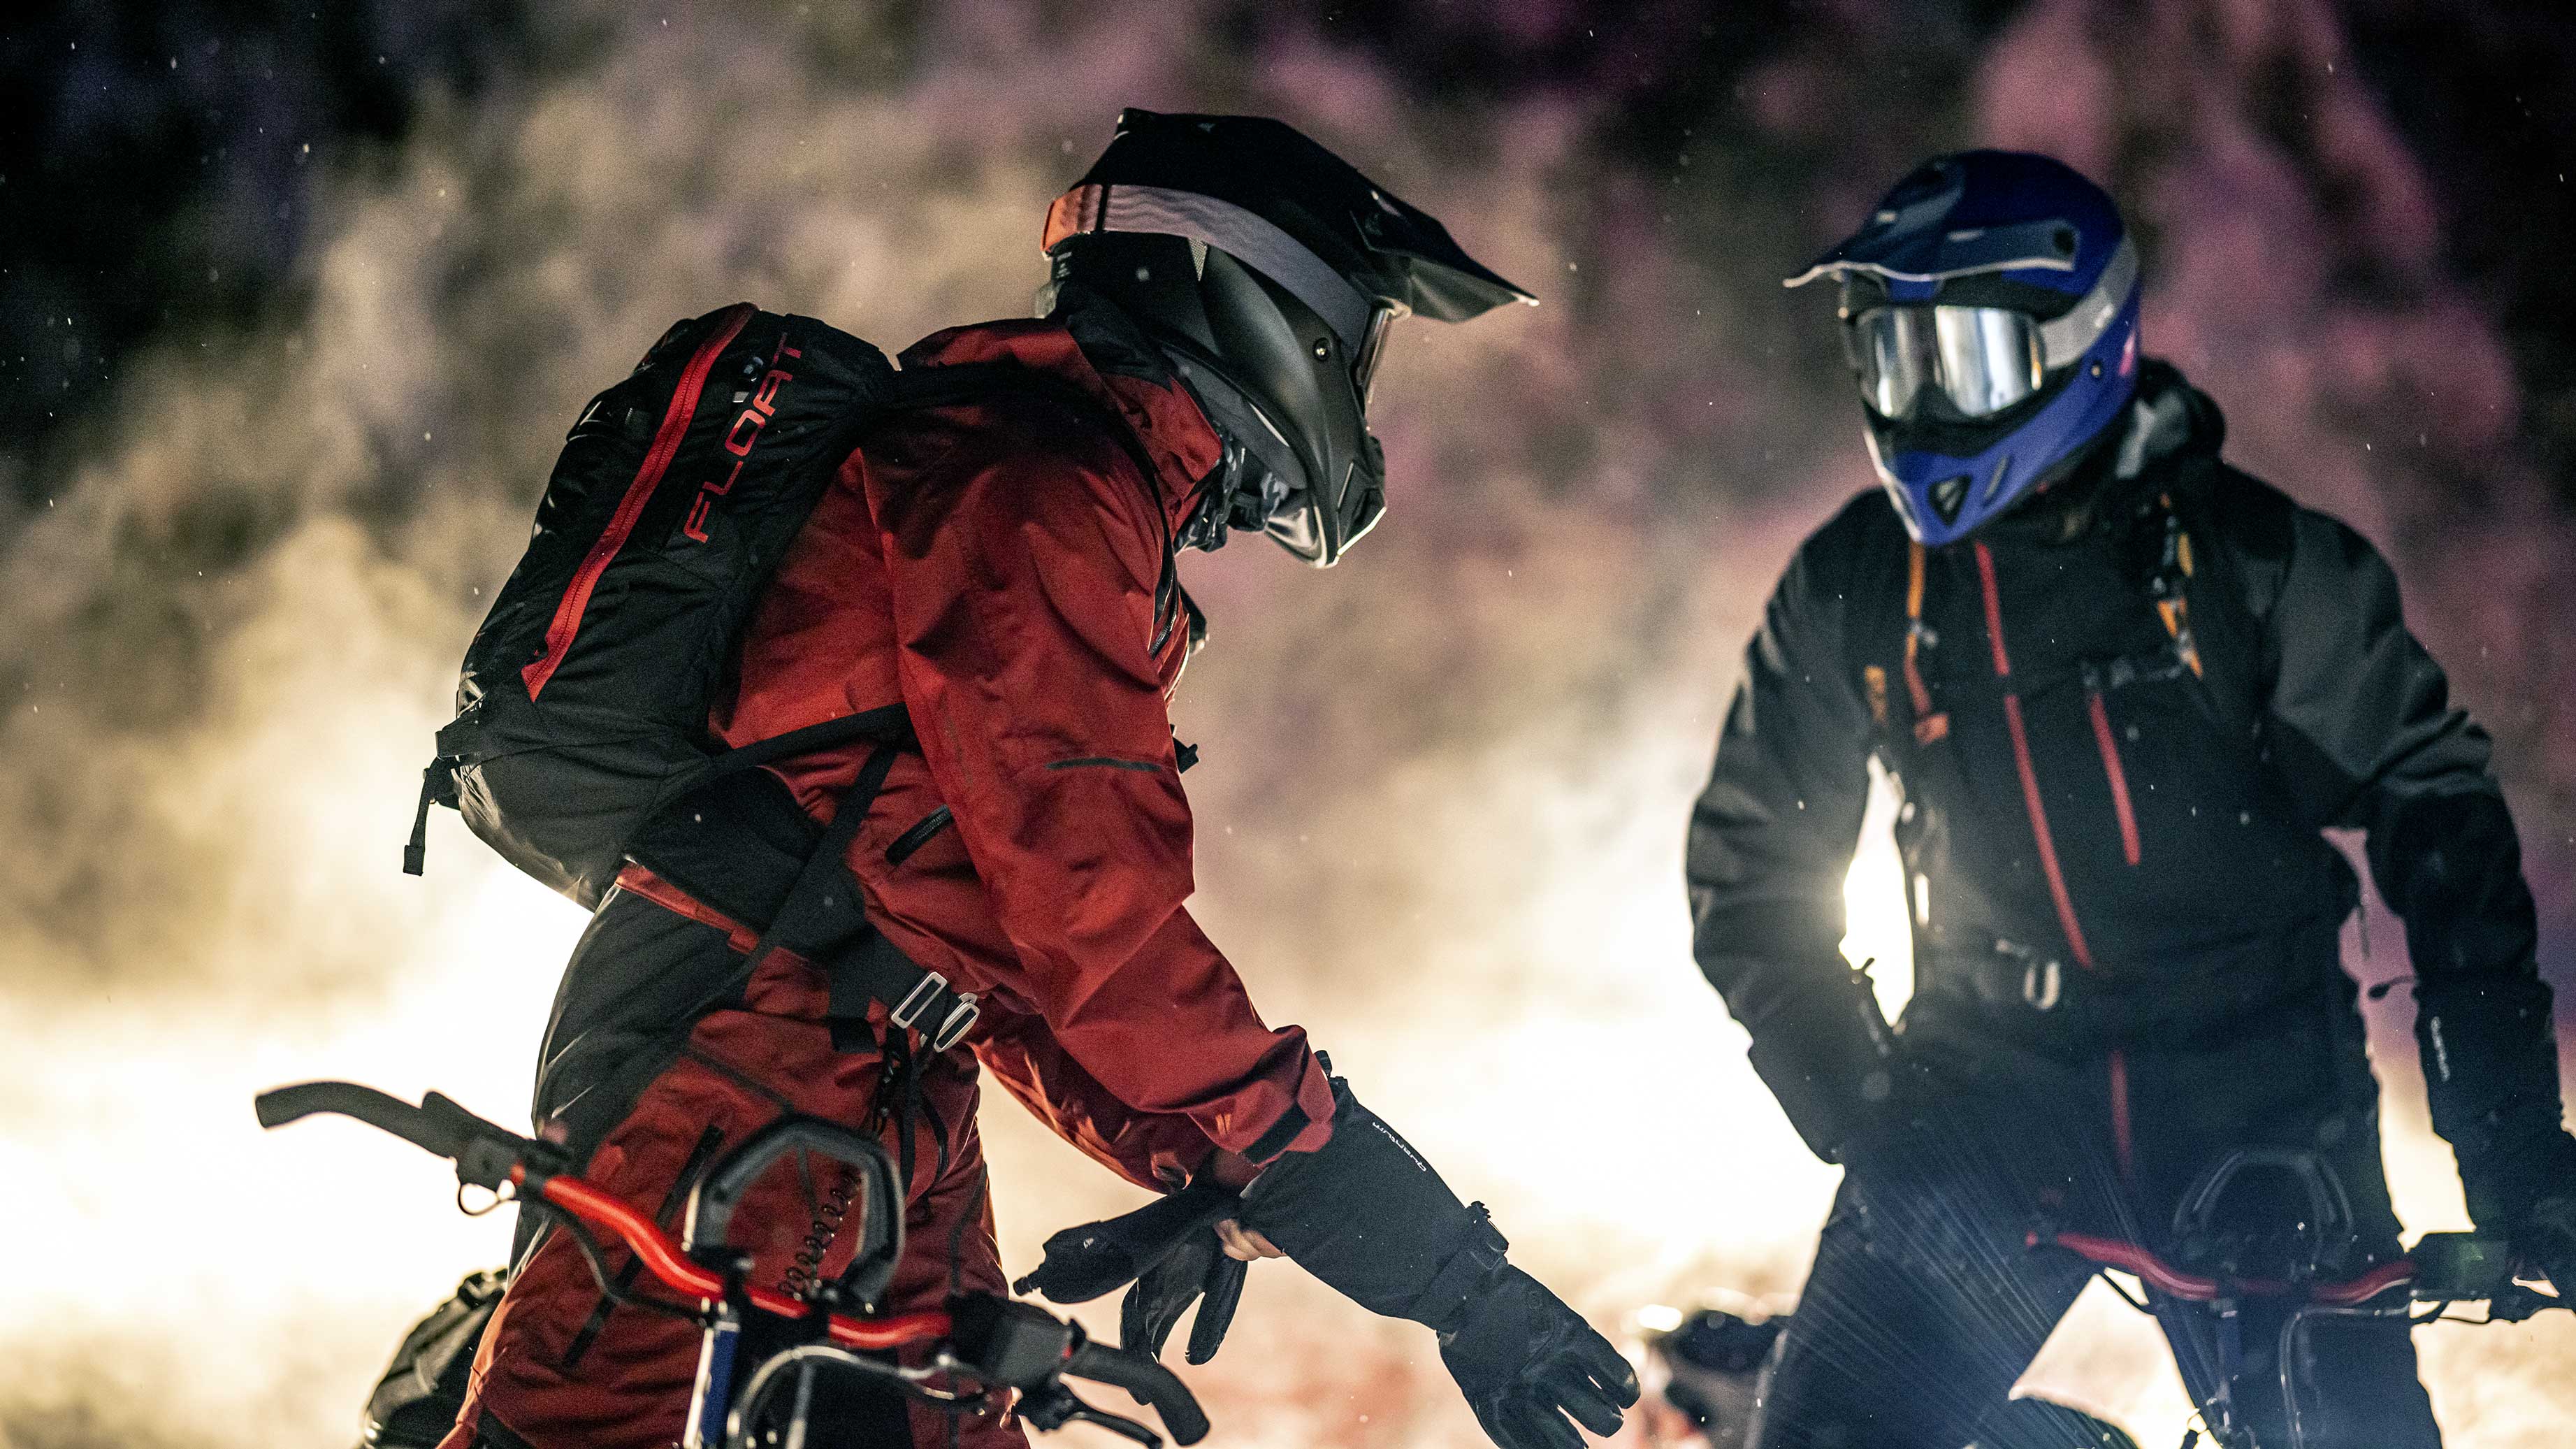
x=1983, y=359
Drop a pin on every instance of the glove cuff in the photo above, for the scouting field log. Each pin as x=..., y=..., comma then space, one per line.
x=1465, y=1276
x=1366, y=1214
x=2490, y=1063
x=2512, y=1174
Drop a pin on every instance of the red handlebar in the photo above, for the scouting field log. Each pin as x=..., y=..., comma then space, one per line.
x=664, y=1260
x=2163, y=1277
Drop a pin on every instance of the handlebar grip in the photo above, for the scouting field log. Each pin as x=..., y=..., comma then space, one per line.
x=485, y=1155
x=2461, y=1266
x=1150, y=1383
x=438, y=1137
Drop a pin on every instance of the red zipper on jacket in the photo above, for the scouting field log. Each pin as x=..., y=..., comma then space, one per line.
x=2030, y=800
x=2122, y=1137
x=2123, y=1147
x=2119, y=778
x=657, y=461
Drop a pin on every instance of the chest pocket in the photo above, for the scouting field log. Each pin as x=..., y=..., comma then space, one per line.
x=2094, y=760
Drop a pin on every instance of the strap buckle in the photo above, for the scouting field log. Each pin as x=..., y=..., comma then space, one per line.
x=916, y=1001
x=924, y=994
x=958, y=1023
x=2042, y=982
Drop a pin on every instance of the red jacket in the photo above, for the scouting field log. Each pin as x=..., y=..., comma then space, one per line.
x=995, y=566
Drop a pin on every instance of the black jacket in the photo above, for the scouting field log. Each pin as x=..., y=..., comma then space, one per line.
x=2128, y=710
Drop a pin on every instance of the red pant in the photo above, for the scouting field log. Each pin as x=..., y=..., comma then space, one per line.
x=560, y=1370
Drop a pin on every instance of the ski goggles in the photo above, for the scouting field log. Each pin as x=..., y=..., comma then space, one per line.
x=1983, y=359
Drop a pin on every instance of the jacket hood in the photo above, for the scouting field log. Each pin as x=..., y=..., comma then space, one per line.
x=2168, y=418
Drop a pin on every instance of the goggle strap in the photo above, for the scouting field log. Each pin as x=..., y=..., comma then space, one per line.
x=2069, y=337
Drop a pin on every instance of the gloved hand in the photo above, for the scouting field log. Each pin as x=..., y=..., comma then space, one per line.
x=1527, y=1363
x=2491, y=1078
x=2527, y=1192
x=1197, y=1270
x=2545, y=1240
x=1091, y=1259
x=1367, y=1215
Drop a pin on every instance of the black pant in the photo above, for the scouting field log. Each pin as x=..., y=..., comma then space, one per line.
x=1925, y=1304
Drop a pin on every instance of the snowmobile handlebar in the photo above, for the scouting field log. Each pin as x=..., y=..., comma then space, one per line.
x=993, y=1340
x=1147, y=1382
x=437, y=1126
x=485, y=1153
x=2442, y=1268
x=488, y=1155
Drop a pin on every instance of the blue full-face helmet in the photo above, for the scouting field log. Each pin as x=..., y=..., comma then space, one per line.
x=1990, y=313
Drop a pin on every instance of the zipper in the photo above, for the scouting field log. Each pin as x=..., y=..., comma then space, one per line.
x=918, y=836
x=2123, y=1142
x=2118, y=777
x=2123, y=1139
x=2031, y=802
x=639, y=492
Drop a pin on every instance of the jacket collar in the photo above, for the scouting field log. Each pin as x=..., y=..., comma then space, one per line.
x=2168, y=418
x=2167, y=423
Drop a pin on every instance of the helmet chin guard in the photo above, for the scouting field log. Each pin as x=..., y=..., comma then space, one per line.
x=1990, y=308
x=1946, y=490
x=1269, y=271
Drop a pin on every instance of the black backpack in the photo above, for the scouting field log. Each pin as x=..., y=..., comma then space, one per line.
x=583, y=701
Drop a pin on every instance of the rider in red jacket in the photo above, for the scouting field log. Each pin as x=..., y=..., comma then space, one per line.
x=1004, y=568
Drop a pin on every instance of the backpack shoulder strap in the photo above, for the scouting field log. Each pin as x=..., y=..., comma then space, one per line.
x=1884, y=633
x=2210, y=587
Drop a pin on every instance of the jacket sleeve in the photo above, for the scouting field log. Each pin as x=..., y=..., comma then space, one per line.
x=1152, y=1151
x=1023, y=582
x=2362, y=722
x=1771, y=839
x=1772, y=834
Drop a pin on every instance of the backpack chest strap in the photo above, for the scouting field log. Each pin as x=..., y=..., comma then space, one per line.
x=2167, y=588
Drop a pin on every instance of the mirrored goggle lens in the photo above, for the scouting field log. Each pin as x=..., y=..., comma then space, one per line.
x=1989, y=357
x=1373, y=346
x=1984, y=359
x=1892, y=348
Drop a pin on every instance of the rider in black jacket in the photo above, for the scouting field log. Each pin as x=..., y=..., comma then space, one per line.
x=2122, y=687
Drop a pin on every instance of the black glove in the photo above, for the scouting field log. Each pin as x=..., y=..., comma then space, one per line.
x=2545, y=1242
x=2524, y=1190
x=1527, y=1363
x=1090, y=1259
x=1367, y=1215
x=1154, y=1304
x=2491, y=1076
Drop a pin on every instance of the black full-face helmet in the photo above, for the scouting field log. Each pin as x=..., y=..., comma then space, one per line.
x=1269, y=271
